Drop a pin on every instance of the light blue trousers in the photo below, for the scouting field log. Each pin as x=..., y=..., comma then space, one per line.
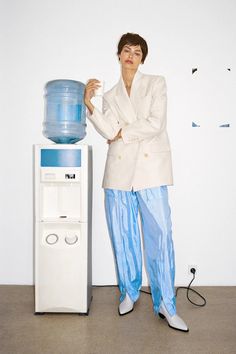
x=122, y=209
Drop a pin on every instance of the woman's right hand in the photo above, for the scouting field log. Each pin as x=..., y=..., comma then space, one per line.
x=90, y=88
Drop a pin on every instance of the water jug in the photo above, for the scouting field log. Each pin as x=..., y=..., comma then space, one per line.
x=65, y=113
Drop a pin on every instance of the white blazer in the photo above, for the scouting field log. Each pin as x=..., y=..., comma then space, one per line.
x=142, y=158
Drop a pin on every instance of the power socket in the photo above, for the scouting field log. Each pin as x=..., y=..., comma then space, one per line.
x=190, y=267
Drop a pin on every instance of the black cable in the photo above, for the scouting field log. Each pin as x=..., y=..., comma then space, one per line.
x=104, y=286
x=193, y=271
x=145, y=292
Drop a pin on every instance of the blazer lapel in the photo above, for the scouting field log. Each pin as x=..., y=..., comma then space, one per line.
x=126, y=104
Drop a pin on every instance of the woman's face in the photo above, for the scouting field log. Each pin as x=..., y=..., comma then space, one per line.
x=131, y=57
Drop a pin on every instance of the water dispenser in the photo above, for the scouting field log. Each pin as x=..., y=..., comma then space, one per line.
x=63, y=219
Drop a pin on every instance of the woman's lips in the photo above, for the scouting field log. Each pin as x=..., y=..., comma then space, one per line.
x=129, y=61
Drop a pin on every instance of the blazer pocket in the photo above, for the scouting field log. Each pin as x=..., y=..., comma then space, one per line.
x=155, y=148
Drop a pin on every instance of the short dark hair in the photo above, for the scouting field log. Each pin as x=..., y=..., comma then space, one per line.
x=133, y=39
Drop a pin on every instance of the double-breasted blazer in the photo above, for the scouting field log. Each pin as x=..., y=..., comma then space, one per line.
x=142, y=158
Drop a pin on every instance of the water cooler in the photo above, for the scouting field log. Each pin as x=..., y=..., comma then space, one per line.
x=63, y=219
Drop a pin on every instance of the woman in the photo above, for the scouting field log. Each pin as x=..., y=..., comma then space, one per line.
x=138, y=170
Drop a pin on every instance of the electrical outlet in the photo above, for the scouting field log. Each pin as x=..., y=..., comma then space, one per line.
x=192, y=266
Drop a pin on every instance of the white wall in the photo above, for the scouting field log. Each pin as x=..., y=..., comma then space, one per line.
x=51, y=39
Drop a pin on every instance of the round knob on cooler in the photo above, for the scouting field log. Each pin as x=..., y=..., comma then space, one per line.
x=51, y=239
x=71, y=240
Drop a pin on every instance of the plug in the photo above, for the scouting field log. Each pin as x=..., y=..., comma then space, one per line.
x=192, y=269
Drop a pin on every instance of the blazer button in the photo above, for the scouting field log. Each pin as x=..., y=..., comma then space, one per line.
x=146, y=155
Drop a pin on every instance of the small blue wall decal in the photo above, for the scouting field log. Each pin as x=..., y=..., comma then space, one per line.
x=224, y=125
x=194, y=125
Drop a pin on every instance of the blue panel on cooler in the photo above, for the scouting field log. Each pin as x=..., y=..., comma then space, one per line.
x=60, y=158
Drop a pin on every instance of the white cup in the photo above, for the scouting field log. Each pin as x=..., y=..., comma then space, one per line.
x=100, y=90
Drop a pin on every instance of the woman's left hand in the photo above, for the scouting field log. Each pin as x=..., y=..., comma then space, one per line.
x=118, y=136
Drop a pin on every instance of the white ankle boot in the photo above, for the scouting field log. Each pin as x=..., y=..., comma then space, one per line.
x=126, y=306
x=174, y=321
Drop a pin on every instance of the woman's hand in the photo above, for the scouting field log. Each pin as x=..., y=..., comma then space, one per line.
x=90, y=87
x=118, y=136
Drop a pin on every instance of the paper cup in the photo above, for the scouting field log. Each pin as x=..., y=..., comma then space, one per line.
x=100, y=90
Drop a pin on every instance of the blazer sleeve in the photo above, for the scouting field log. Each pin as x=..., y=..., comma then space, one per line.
x=155, y=123
x=106, y=123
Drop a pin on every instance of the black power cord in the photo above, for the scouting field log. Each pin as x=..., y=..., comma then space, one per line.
x=193, y=271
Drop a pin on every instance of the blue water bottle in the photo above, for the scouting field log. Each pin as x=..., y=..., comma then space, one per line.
x=65, y=112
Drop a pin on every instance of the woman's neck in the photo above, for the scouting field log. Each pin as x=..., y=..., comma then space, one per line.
x=128, y=76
